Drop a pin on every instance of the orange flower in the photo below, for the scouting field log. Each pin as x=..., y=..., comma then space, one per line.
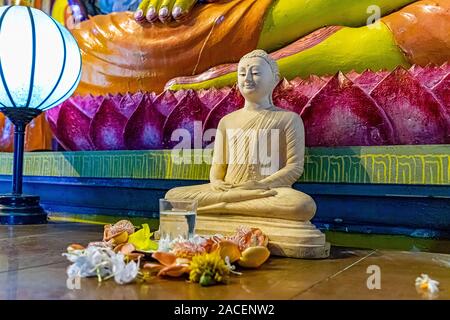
x=246, y=237
x=169, y=265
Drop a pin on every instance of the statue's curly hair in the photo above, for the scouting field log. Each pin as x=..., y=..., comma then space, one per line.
x=258, y=53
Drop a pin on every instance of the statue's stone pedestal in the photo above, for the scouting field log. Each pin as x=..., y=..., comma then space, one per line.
x=287, y=238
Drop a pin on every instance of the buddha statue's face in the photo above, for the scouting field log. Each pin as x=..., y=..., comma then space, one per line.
x=256, y=80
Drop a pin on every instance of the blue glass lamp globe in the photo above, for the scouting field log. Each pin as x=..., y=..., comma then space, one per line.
x=40, y=67
x=40, y=62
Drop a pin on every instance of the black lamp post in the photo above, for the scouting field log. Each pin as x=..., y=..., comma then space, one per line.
x=40, y=67
x=17, y=208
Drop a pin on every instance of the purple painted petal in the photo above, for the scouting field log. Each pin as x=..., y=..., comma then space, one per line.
x=416, y=115
x=137, y=97
x=352, y=75
x=73, y=128
x=211, y=97
x=442, y=92
x=308, y=87
x=129, y=104
x=165, y=102
x=431, y=76
x=369, y=79
x=415, y=70
x=188, y=114
x=144, y=130
x=232, y=102
x=151, y=95
x=107, y=127
x=342, y=114
x=52, y=117
x=115, y=98
x=87, y=104
x=179, y=94
x=287, y=96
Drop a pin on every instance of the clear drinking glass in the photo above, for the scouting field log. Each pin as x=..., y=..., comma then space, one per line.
x=177, y=219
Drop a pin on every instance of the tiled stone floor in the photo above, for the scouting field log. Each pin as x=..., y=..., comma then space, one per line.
x=32, y=267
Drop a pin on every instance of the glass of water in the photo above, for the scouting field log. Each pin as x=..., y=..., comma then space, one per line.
x=177, y=219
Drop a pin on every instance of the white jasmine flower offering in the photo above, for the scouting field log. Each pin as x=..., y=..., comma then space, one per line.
x=427, y=286
x=124, y=272
x=102, y=262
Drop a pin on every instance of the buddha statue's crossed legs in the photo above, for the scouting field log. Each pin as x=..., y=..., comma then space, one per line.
x=283, y=203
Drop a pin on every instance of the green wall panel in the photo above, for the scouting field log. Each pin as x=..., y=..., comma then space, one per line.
x=428, y=164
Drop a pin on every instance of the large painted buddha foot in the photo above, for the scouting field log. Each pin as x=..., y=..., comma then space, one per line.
x=287, y=238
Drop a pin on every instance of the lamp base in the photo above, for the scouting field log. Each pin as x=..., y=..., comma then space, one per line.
x=21, y=209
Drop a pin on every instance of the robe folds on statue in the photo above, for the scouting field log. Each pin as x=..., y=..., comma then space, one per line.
x=120, y=55
x=269, y=149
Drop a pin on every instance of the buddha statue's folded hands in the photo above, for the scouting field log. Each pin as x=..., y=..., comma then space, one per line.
x=251, y=185
x=240, y=192
x=220, y=185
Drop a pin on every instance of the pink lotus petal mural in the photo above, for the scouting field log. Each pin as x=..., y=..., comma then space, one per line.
x=341, y=113
x=372, y=108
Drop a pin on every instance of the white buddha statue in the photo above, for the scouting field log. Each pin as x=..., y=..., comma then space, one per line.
x=258, y=156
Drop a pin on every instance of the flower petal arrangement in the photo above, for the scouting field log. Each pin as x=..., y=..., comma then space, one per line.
x=127, y=254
